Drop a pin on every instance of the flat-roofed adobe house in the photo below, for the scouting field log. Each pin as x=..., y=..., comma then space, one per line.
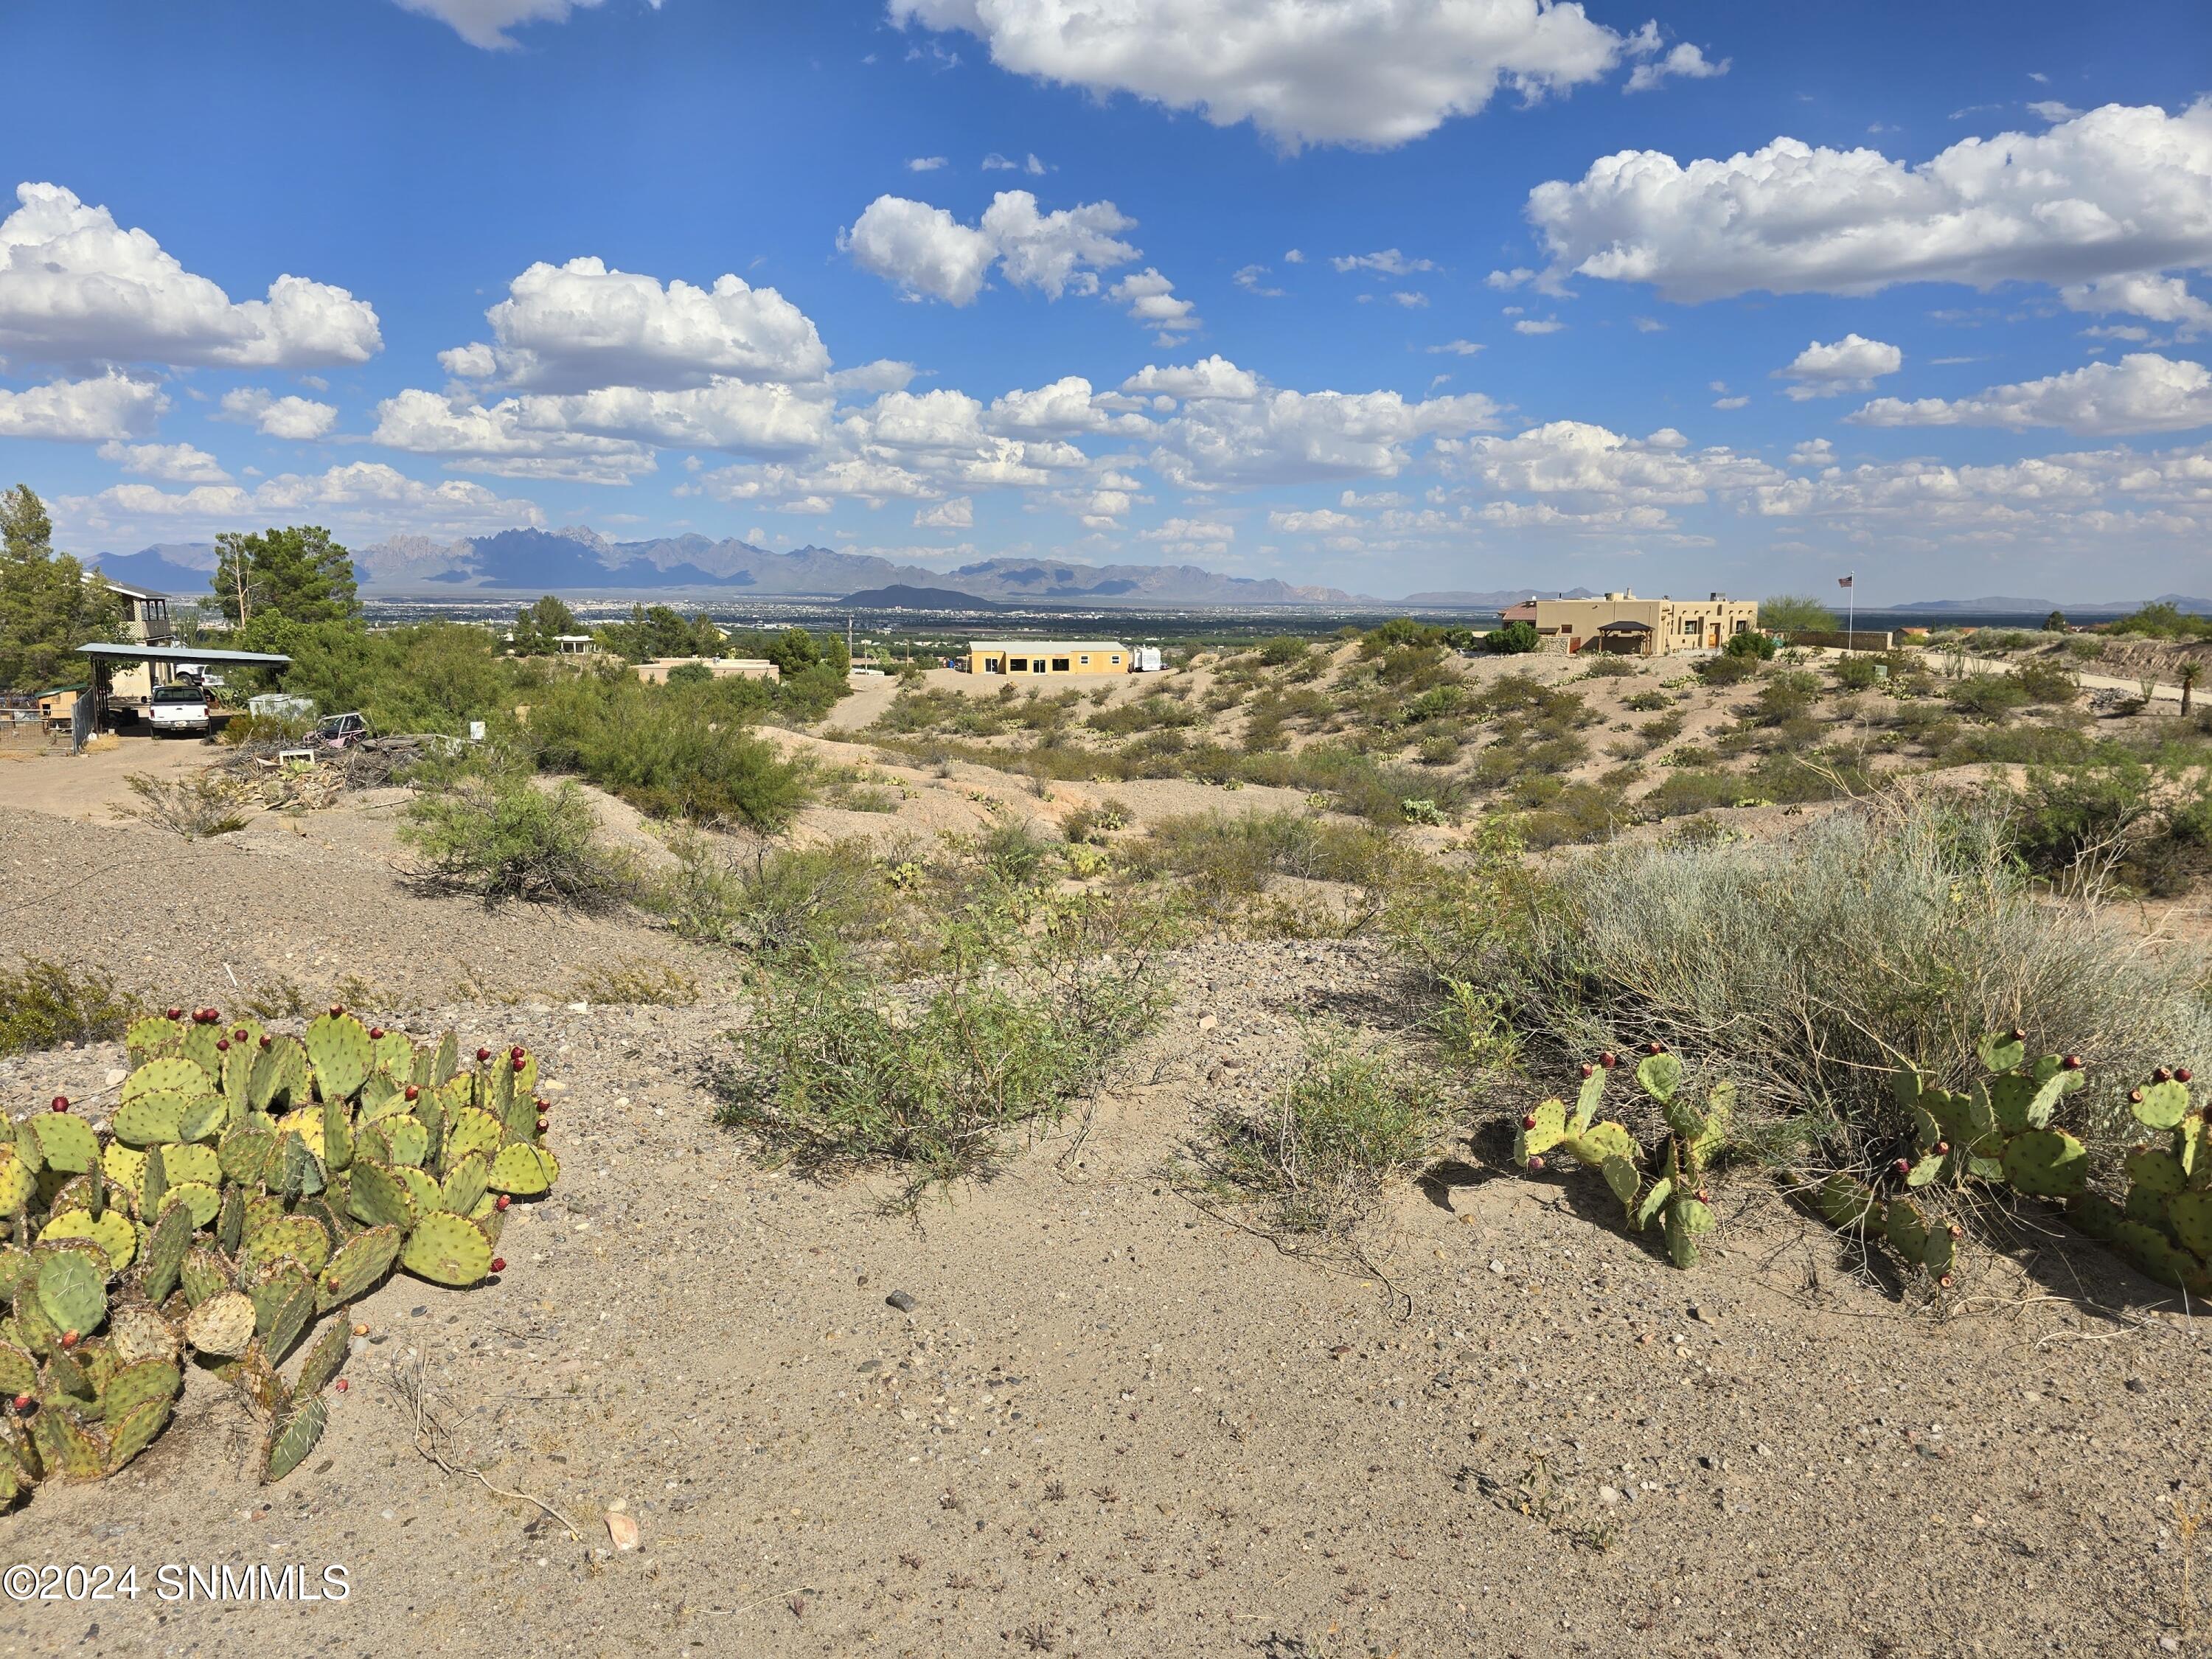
x=1623, y=624
x=1046, y=656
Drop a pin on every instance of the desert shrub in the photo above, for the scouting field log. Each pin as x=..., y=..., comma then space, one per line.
x=2063, y=816
x=1609, y=668
x=1787, y=696
x=1317, y=1159
x=2162, y=621
x=1144, y=714
x=1580, y=813
x=2087, y=646
x=1805, y=965
x=1093, y=824
x=672, y=751
x=835, y=1072
x=1693, y=790
x=1283, y=651
x=496, y=835
x=1437, y=702
x=691, y=673
x=1857, y=673
x=210, y=804
x=1665, y=729
x=44, y=1005
x=1646, y=702
x=2026, y=745
x=1399, y=632
x=1725, y=670
x=2046, y=683
x=752, y=895
x=1221, y=852
x=1990, y=697
x=633, y=983
x=1514, y=639
x=1751, y=643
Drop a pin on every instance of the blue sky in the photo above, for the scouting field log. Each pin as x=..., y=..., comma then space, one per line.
x=1391, y=295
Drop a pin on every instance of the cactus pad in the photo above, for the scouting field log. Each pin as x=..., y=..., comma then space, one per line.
x=2190, y=1214
x=469, y=1130
x=69, y=1452
x=134, y=1386
x=202, y=1202
x=17, y=1183
x=65, y=1143
x=292, y=1437
x=151, y=1037
x=222, y=1324
x=338, y=1053
x=379, y=1197
x=305, y=1121
x=71, y=1293
x=203, y=1273
x=294, y=1237
x=2095, y=1215
x=2046, y=1163
x=407, y=1138
x=2162, y=1105
x=184, y=1162
x=426, y=1192
x=2156, y=1170
x=1687, y=1220
x=18, y=1372
x=131, y=1435
x=245, y=1154
x=447, y=1249
x=2001, y=1052
x=136, y=1334
x=167, y=1076
x=464, y=1183
x=1593, y=1146
x=290, y=1319
x=151, y=1119
x=526, y=1171
x=1620, y=1175
x=111, y=1230
x=203, y=1118
x=323, y=1361
x=358, y=1266
x=167, y=1241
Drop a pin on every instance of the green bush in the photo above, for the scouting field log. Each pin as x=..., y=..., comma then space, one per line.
x=1857, y=673
x=496, y=835
x=1283, y=651
x=754, y=896
x=836, y=1073
x=1725, y=670
x=2046, y=683
x=1990, y=697
x=1751, y=642
x=44, y=1005
x=1811, y=961
x=1350, y=1122
x=1514, y=639
x=672, y=751
x=1793, y=613
x=691, y=673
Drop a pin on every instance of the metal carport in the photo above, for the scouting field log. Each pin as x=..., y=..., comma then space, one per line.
x=89, y=709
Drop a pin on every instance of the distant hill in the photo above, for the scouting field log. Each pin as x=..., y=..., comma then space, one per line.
x=2043, y=607
x=1495, y=599
x=165, y=569
x=900, y=596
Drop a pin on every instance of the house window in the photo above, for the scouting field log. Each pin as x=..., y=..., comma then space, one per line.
x=1017, y=665
x=1743, y=628
x=1693, y=626
x=1060, y=664
x=1117, y=661
x=1086, y=662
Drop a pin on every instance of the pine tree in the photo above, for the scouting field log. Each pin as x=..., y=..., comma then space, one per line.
x=299, y=573
x=48, y=608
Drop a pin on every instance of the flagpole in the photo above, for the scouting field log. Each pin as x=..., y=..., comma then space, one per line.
x=1851, y=616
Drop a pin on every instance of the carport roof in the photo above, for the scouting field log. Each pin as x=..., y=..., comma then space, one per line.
x=184, y=653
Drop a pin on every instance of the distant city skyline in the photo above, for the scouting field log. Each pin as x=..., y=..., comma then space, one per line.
x=1386, y=298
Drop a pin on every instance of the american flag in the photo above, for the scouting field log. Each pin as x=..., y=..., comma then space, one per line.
x=1846, y=581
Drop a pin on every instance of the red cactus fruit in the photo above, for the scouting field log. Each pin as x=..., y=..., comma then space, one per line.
x=518, y=1062
x=222, y=1045
x=412, y=1091
x=69, y=1338
x=541, y=1126
x=2018, y=1035
x=1529, y=1121
x=2072, y=1062
x=502, y=1201
x=1945, y=1281
x=2181, y=1074
x=1942, y=1149
x=499, y=1264
x=175, y=1013
x=2135, y=1095
x=340, y=1385
x=1902, y=1166
x=517, y=1052
x=374, y=1032
x=1588, y=1068
x=1536, y=1165
x=61, y=1102
x=482, y=1054
x=1956, y=1230
x=1654, y=1046
x=1609, y=1059
x=238, y=1036
x=337, y=1008
x=266, y=1039
x=23, y=1404
x=2162, y=1075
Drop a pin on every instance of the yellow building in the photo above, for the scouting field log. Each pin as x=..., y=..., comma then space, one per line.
x=1046, y=656
x=1623, y=624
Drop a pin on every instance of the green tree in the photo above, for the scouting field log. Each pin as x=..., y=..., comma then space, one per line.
x=298, y=573
x=1514, y=639
x=2056, y=623
x=1751, y=642
x=537, y=626
x=48, y=608
x=1795, y=613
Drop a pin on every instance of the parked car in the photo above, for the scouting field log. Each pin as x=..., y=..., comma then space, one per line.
x=176, y=709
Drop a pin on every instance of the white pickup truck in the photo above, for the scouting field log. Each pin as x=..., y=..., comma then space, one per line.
x=176, y=709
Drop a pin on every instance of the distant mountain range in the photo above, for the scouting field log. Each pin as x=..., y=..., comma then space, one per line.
x=581, y=561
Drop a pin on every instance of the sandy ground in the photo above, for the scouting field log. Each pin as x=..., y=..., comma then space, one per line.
x=1122, y=1426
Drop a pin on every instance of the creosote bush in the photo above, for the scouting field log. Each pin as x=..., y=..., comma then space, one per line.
x=1317, y=1157
x=839, y=1073
x=496, y=835
x=44, y=1005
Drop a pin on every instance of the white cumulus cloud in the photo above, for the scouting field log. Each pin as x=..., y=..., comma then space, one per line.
x=299, y=420
x=2119, y=192
x=361, y=501
x=928, y=252
x=2141, y=392
x=1686, y=62
x=170, y=463
x=1375, y=73
x=485, y=22
x=78, y=288
x=958, y=513
x=110, y=406
x=1851, y=364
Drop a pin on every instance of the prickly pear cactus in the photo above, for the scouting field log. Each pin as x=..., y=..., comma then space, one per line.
x=248, y=1185
x=1675, y=1197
